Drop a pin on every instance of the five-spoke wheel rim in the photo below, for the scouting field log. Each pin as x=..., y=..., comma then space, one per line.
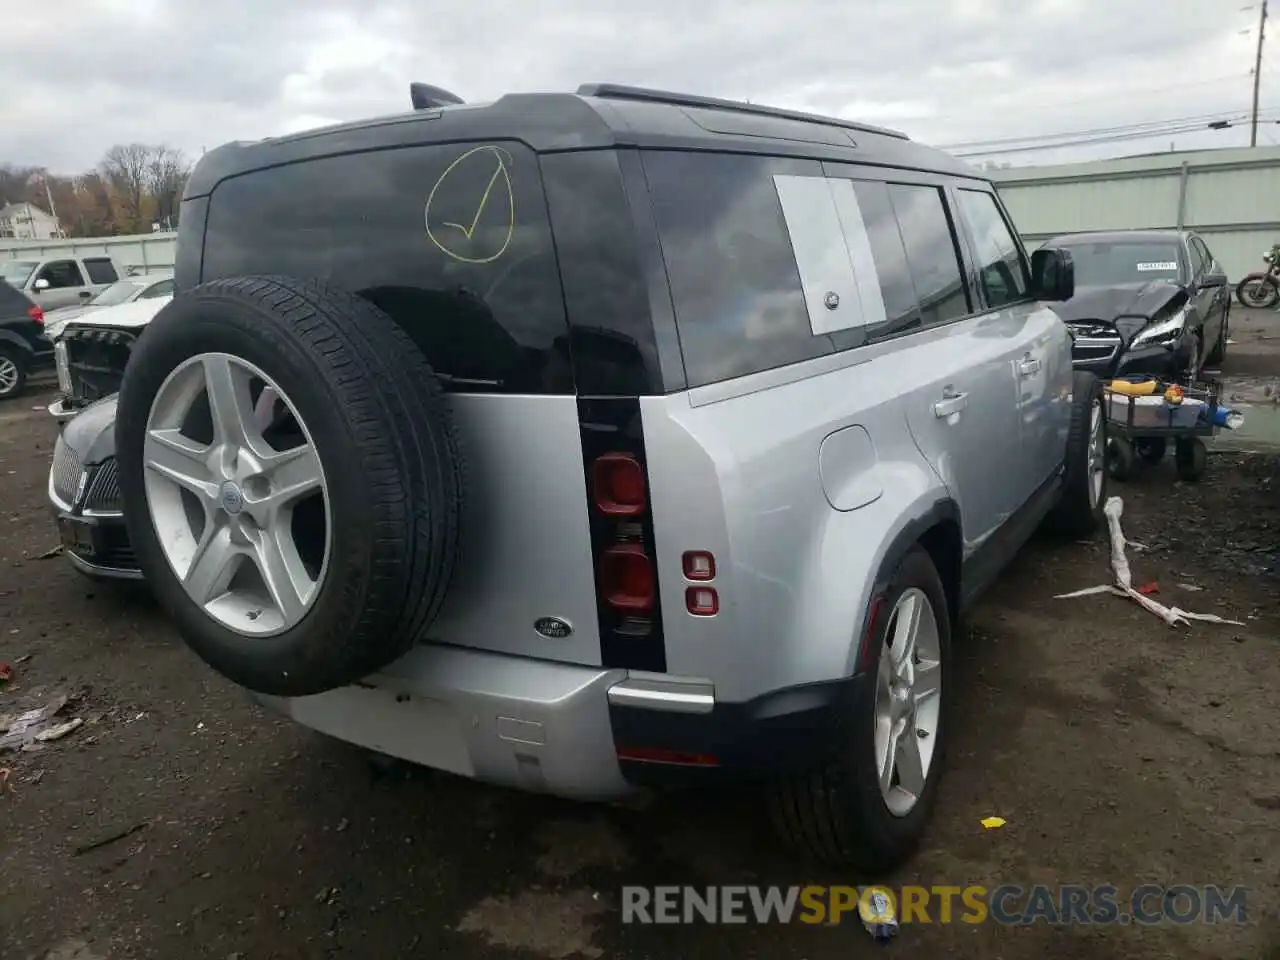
x=908, y=701
x=1097, y=453
x=8, y=375
x=237, y=494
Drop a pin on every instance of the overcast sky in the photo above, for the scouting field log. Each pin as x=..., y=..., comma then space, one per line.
x=80, y=75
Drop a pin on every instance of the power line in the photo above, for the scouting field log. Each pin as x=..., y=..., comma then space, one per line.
x=1140, y=134
x=1094, y=131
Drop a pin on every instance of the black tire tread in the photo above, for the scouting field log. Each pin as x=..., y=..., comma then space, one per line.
x=1073, y=516
x=20, y=361
x=820, y=814
x=379, y=380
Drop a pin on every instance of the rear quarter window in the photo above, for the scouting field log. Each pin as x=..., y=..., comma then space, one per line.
x=451, y=240
x=100, y=270
x=739, y=300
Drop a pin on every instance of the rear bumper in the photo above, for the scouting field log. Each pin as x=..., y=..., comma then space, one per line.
x=585, y=733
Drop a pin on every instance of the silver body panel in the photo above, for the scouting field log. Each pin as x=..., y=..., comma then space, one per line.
x=526, y=542
x=799, y=480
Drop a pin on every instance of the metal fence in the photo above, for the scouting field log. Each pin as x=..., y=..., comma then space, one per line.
x=149, y=251
x=1231, y=197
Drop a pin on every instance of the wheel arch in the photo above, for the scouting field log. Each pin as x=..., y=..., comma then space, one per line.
x=8, y=337
x=936, y=528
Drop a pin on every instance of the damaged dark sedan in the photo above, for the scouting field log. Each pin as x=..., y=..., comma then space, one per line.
x=1149, y=302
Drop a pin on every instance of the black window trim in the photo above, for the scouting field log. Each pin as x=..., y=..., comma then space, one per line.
x=79, y=268
x=897, y=176
x=971, y=247
x=1192, y=240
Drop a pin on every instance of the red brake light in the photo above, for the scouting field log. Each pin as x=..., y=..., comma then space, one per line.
x=36, y=314
x=617, y=485
x=627, y=579
x=674, y=757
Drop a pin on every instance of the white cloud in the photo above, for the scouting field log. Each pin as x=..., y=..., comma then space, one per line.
x=79, y=75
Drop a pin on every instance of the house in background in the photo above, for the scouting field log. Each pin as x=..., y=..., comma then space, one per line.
x=26, y=221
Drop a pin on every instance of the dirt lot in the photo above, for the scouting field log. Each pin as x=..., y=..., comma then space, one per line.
x=1117, y=749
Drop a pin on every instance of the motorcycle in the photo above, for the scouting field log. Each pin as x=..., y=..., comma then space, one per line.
x=1262, y=288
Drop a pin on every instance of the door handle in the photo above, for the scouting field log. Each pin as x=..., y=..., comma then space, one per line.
x=951, y=403
x=1029, y=367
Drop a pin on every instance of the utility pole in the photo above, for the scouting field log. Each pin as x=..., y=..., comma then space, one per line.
x=1257, y=74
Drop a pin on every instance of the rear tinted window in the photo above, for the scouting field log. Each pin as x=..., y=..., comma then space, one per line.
x=452, y=241
x=739, y=301
x=100, y=270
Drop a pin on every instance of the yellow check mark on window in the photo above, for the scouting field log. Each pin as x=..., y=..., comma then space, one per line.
x=468, y=232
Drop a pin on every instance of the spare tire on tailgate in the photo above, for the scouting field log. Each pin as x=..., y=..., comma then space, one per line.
x=291, y=479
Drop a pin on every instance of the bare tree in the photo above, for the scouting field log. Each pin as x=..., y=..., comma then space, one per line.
x=125, y=167
x=166, y=178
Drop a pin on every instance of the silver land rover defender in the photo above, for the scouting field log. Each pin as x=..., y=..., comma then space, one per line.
x=581, y=442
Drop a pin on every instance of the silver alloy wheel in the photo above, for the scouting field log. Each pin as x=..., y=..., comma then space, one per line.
x=1097, y=453
x=908, y=701
x=8, y=375
x=223, y=502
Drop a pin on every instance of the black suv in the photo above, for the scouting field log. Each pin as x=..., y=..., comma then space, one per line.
x=23, y=345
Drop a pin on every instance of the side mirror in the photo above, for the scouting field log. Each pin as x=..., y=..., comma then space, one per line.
x=41, y=285
x=1213, y=280
x=1053, y=274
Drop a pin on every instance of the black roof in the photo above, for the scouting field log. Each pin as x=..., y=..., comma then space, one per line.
x=596, y=116
x=1118, y=236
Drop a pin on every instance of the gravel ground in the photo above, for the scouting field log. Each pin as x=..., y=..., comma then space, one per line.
x=1117, y=749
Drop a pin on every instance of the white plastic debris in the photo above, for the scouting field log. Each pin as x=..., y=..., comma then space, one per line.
x=1123, y=586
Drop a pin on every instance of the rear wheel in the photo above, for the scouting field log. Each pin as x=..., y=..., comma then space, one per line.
x=1258, y=292
x=1219, y=351
x=1084, y=489
x=1151, y=450
x=870, y=803
x=291, y=481
x=13, y=372
x=1122, y=459
x=1192, y=459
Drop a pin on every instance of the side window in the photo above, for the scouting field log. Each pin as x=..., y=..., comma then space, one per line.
x=1002, y=268
x=61, y=273
x=739, y=299
x=162, y=289
x=931, y=252
x=100, y=270
x=1201, y=256
x=451, y=240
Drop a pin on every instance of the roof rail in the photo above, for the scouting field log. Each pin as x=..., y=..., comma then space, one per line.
x=617, y=91
x=426, y=97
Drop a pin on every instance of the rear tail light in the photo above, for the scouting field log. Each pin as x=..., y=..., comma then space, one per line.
x=617, y=485
x=702, y=601
x=627, y=580
x=36, y=314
